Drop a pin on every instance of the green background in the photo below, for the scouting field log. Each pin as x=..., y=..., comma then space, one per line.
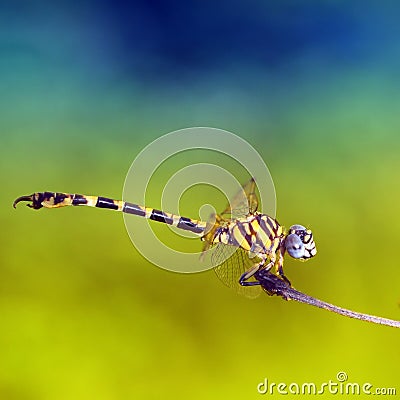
x=85, y=87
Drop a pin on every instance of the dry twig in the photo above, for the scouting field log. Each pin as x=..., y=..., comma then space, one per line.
x=276, y=286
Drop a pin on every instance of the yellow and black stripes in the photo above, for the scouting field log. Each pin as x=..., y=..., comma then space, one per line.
x=261, y=241
x=256, y=233
x=56, y=200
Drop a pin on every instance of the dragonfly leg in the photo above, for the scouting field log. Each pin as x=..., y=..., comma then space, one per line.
x=283, y=276
x=251, y=283
x=280, y=271
x=248, y=274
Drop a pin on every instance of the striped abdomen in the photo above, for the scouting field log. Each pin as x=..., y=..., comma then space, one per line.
x=56, y=200
x=257, y=233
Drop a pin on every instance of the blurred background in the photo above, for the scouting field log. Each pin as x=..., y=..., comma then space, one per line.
x=86, y=85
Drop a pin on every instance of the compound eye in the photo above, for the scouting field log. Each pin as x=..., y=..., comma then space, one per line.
x=297, y=229
x=294, y=246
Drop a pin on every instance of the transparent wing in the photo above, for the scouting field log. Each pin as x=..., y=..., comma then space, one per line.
x=231, y=263
x=245, y=202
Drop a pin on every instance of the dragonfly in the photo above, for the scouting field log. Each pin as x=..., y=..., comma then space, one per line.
x=243, y=240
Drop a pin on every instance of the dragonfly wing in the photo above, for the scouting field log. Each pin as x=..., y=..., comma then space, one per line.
x=244, y=203
x=231, y=263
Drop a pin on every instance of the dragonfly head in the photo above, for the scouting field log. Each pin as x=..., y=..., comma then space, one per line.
x=299, y=243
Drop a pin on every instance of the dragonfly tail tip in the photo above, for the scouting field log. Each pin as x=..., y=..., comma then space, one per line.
x=23, y=198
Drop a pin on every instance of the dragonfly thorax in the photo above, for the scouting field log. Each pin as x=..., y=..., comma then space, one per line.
x=257, y=233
